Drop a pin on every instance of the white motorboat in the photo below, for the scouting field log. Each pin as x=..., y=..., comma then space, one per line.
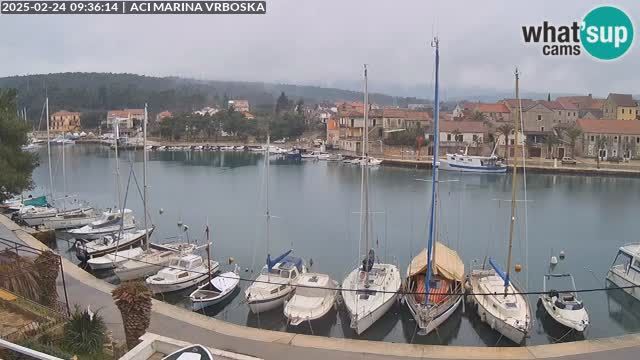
x=310, y=155
x=110, y=261
x=182, y=273
x=191, y=352
x=70, y=220
x=564, y=306
x=110, y=222
x=371, y=289
x=275, y=283
x=498, y=300
x=335, y=157
x=152, y=260
x=369, y=161
x=258, y=149
x=469, y=163
x=625, y=270
x=110, y=243
x=314, y=296
x=227, y=148
x=216, y=290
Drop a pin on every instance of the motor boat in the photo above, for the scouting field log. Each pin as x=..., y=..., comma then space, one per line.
x=324, y=156
x=468, y=163
x=182, y=273
x=275, y=283
x=151, y=260
x=369, y=161
x=216, y=290
x=70, y=220
x=369, y=291
x=314, y=296
x=258, y=149
x=310, y=155
x=36, y=215
x=191, y=352
x=564, y=306
x=227, y=148
x=625, y=270
x=445, y=292
x=111, y=243
x=110, y=261
x=110, y=222
x=335, y=157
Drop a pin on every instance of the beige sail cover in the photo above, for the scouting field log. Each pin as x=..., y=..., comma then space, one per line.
x=447, y=263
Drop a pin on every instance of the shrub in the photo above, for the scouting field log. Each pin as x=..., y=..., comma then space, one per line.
x=84, y=333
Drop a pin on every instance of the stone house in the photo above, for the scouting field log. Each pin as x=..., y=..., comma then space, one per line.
x=622, y=138
x=65, y=121
x=620, y=107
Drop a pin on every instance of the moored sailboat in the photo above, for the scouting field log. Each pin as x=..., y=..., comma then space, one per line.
x=498, y=300
x=372, y=288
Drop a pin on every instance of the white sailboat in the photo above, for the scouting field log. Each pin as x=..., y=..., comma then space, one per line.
x=435, y=277
x=498, y=300
x=154, y=256
x=276, y=281
x=111, y=243
x=110, y=222
x=371, y=289
x=110, y=261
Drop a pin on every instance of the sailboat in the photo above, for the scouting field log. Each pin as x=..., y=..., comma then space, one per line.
x=435, y=277
x=52, y=217
x=276, y=281
x=497, y=299
x=154, y=256
x=371, y=289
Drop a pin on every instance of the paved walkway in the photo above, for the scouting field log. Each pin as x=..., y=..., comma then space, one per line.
x=171, y=321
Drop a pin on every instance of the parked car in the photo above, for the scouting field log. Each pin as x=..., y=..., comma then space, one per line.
x=568, y=161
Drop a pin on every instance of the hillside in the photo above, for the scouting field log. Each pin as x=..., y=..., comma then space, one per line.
x=99, y=92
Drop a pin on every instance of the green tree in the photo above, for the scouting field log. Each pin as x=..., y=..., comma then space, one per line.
x=478, y=116
x=505, y=130
x=572, y=133
x=550, y=141
x=16, y=165
x=282, y=104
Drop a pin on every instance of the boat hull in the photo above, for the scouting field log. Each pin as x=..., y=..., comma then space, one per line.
x=262, y=305
x=450, y=166
x=427, y=326
x=562, y=317
x=167, y=288
x=365, y=322
x=619, y=281
x=62, y=223
x=98, y=233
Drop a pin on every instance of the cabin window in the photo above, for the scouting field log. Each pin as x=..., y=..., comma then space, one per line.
x=274, y=291
x=197, y=263
x=622, y=262
x=282, y=287
x=284, y=274
x=294, y=274
x=183, y=275
x=636, y=264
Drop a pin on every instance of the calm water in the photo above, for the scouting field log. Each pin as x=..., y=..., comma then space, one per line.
x=317, y=205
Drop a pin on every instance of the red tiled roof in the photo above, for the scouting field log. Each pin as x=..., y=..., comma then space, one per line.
x=491, y=108
x=164, y=114
x=463, y=126
x=596, y=104
x=118, y=113
x=526, y=103
x=625, y=127
x=65, y=113
x=567, y=104
x=406, y=114
x=553, y=105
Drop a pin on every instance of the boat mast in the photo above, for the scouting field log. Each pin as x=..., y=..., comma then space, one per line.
x=49, y=150
x=365, y=165
x=514, y=183
x=209, y=251
x=144, y=179
x=64, y=173
x=434, y=178
x=267, y=214
x=117, y=136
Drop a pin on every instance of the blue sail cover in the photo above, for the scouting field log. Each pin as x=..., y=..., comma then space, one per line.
x=37, y=201
x=272, y=263
x=498, y=270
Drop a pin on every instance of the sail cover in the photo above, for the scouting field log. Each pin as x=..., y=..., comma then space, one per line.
x=447, y=263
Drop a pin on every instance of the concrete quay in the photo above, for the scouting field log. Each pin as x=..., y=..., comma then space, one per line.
x=178, y=323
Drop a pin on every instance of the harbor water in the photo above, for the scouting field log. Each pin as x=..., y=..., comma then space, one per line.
x=316, y=211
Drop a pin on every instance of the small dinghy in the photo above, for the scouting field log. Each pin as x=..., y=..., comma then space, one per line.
x=192, y=352
x=315, y=295
x=215, y=291
x=564, y=307
x=111, y=261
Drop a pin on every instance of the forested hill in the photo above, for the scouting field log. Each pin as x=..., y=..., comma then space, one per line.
x=105, y=91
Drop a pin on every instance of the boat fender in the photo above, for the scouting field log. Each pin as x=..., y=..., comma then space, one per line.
x=493, y=324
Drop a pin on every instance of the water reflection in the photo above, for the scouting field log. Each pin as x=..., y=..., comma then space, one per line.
x=623, y=308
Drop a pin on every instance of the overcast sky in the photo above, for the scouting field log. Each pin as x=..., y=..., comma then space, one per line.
x=325, y=43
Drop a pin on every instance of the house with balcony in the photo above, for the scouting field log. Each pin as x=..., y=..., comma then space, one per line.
x=351, y=124
x=65, y=121
x=403, y=119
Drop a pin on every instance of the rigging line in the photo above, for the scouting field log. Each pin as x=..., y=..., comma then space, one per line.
x=526, y=221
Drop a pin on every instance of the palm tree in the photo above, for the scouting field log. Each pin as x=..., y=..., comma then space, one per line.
x=551, y=141
x=572, y=133
x=18, y=275
x=601, y=142
x=506, y=129
x=47, y=265
x=133, y=299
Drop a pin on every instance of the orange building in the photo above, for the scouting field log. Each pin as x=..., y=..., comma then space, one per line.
x=65, y=121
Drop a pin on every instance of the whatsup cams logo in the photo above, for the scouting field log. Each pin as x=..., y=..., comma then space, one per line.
x=606, y=33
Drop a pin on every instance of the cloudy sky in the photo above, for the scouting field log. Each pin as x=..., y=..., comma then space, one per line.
x=325, y=43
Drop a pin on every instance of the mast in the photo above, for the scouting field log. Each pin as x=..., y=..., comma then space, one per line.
x=117, y=136
x=267, y=214
x=144, y=183
x=64, y=173
x=434, y=177
x=365, y=165
x=514, y=183
x=49, y=151
x=208, y=250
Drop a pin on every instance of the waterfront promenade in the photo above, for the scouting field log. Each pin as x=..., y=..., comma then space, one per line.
x=178, y=323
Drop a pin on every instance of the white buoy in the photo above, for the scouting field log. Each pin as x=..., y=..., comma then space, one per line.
x=554, y=260
x=562, y=255
x=161, y=211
